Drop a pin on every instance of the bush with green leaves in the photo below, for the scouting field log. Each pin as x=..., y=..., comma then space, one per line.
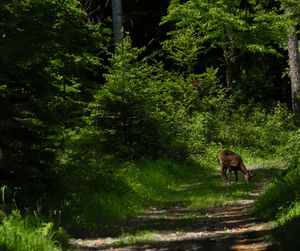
x=279, y=203
x=288, y=227
x=279, y=194
x=263, y=131
x=283, y=192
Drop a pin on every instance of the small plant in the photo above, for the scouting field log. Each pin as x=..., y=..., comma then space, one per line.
x=26, y=234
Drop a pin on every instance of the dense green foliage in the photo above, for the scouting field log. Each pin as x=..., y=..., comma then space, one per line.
x=26, y=234
x=44, y=89
x=89, y=138
x=280, y=200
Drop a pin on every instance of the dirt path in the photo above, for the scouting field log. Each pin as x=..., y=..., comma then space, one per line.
x=226, y=228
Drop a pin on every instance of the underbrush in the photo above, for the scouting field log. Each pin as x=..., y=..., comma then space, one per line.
x=134, y=187
x=28, y=233
x=281, y=205
x=101, y=189
x=160, y=184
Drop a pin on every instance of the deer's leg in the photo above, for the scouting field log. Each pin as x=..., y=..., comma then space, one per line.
x=236, y=176
x=230, y=174
x=223, y=174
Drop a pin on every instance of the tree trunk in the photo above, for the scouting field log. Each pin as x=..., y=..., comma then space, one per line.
x=117, y=21
x=293, y=51
x=229, y=68
x=232, y=69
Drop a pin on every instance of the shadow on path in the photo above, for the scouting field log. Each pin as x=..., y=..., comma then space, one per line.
x=225, y=228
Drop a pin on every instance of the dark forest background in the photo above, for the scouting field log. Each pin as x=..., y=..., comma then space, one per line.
x=86, y=126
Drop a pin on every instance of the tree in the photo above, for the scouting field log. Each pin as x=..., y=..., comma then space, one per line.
x=128, y=114
x=205, y=25
x=294, y=63
x=43, y=47
x=281, y=23
x=226, y=25
x=139, y=104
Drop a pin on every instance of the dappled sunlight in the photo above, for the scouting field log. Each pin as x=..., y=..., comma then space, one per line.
x=122, y=136
x=178, y=227
x=227, y=227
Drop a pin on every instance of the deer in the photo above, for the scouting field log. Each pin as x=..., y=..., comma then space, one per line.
x=233, y=162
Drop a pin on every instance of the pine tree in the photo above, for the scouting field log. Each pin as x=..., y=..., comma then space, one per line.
x=44, y=47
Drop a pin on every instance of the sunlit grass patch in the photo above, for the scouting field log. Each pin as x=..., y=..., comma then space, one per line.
x=178, y=202
x=210, y=191
x=144, y=236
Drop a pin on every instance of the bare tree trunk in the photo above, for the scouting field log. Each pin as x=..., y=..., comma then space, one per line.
x=294, y=67
x=229, y=68
x=117, y=20
x=232, y=69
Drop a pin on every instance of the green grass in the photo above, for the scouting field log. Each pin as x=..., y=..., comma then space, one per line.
x=281, y=205
x=26, y=234
x=203, y=192
x=210, y=192
x=279, y=194
x=195, y=184
x=144, y=236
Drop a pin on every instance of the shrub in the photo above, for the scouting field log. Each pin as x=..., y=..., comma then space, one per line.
x=280, y=203
x=280, y=193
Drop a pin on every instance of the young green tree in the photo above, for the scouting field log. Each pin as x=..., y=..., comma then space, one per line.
x=139, y=103
x=203, y=26
x=126, y=104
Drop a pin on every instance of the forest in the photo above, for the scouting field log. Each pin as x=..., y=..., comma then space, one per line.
x=109, y=108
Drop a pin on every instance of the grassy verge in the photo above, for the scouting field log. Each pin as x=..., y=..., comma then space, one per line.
x=280, y=204
x=160, y=184
x=209, y=191
x=179, y=203
x=27, y=233
x=134, y=187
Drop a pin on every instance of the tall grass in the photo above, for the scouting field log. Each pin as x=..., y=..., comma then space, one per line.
x=134, y=187
x=280, y=203
x=26, y=234
x=279, y=194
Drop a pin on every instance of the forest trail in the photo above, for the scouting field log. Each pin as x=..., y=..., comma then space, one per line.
x=223, y=228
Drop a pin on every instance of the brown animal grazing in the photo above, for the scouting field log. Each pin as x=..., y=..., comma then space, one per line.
x=233, y=162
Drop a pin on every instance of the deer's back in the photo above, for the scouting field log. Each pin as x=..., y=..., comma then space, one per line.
x=228, y=158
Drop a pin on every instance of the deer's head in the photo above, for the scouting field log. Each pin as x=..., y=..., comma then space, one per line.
x=249, y=174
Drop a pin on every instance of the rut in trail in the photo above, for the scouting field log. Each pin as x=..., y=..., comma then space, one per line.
x=226, y=228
